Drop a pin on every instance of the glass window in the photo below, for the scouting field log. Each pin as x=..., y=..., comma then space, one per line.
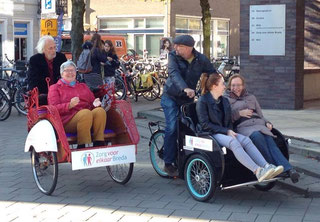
x=117, y=23
x=130, y=41
x=153, y=45
x=20, y=48
x=0, y=49
x=139, y=23
x=139, y=44
x=181, y=23
x=65, y=45
x=223, y=25
x=194, y=24
x=154, y=22
x=222, y=46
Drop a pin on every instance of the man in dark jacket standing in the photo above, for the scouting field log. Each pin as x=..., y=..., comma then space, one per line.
x=46, y=63
x=185, y=68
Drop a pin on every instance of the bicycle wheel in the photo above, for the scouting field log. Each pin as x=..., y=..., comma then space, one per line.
x=120, y=173
x=156, y=148
x=120, y=89
x=19, y=102
x=5, y=106
x=45, y=170
x=200, y=177
x=154, y=92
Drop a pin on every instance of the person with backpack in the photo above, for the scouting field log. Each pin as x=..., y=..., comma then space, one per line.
x=84, y=61
x=98, y=55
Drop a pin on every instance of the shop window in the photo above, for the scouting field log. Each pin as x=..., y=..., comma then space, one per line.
x=115, y=23
x=0, y=48
x=139, y=23
x=154, y=23
x=138, y=44
x=20, y=49
x=153, y=45
x=194, y=24
x=181, y=23
x=223, y=25
x=222, y=46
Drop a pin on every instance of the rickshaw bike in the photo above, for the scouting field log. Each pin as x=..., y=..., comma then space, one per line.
x=50, y=145
x=202, y=162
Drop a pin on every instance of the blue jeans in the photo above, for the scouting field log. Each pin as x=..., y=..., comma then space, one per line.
x=171, y=112
x=269, y=149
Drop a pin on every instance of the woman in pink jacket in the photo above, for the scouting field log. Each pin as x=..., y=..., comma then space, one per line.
x=248, y=120
x=79, y=110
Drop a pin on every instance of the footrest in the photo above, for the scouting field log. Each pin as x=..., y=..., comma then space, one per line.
x=72, y=137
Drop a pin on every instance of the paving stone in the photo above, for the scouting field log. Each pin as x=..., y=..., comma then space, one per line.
x=242, y=217
x=286, y=218
x=186, y=213
x=131, y=218
x=215, y=215
x=153, y=204
x=130, y=210
x=236, y=208
x=263, y=218
x=156, y=212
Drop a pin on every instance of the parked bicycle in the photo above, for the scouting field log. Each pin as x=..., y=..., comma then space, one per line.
x=12, y=93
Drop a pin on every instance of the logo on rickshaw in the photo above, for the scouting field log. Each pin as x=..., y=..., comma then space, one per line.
x=87, y=159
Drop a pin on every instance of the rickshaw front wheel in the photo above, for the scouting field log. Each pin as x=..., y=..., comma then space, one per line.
x=200, y=177
x=45, y=170
x=120, y=173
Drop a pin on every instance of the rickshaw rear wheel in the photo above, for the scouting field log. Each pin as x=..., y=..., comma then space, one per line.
x=200, y=177
x=45, y=170
x=156, y=149
x=120, y=173
x=265, y=186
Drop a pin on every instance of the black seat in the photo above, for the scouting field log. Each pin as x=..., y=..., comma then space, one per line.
x=189, y=117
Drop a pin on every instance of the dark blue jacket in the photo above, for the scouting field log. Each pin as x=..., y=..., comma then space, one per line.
x=185, y=75
x=208, y=113
x=97, y=56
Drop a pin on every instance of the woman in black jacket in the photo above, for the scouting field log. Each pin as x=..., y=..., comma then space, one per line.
x=112, y=62
x=214, y=114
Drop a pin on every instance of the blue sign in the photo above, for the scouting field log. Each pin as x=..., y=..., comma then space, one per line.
x=48, y=4
x=20, y=29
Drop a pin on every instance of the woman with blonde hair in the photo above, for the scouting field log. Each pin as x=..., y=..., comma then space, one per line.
x=214, y=114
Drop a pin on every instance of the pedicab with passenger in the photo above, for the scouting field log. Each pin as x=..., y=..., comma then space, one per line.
x=50, y=145
x=202, y=162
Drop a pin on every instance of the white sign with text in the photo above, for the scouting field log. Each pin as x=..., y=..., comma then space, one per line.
x=100, y=157
x=267, y=30
x=198, y=142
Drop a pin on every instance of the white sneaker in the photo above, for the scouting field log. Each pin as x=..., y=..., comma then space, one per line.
x=277, y=170
x=263, y=173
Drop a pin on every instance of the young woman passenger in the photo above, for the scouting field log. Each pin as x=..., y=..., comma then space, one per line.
x=214, y=114
x=249, y=121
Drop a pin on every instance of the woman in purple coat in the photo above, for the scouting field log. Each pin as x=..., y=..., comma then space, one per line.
x=248, y=120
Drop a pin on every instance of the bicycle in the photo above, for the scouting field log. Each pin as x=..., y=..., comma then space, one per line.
x=12, y=93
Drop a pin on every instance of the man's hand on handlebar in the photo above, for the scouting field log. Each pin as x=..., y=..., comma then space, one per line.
x=190, y=92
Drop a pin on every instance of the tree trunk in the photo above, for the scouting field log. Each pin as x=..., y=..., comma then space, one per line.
x=78, y=8
x=206, y=20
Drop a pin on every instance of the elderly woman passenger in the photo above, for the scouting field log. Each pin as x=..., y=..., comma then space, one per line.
x=78, y=108
x=249, y=121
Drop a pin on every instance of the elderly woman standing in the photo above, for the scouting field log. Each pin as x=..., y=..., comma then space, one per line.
x=249, y=121
x=78, y=108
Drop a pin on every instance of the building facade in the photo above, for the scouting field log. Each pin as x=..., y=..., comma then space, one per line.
x=19, y=28
x=145, y=22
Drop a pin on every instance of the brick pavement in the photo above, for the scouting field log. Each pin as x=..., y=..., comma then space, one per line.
x=90, y=195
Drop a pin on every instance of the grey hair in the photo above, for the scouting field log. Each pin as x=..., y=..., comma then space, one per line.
x=42, y=42
x=67, y=64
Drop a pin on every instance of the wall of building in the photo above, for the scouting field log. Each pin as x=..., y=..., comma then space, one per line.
x=280, y=75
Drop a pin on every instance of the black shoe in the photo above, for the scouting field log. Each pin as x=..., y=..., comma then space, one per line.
x=81, y=146
x=294, y=175
x=98, y=143
x=171, y=170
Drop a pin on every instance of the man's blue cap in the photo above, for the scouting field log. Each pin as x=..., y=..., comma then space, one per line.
x=186, y=40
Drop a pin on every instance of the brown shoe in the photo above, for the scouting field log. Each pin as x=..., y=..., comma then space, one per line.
x=171, y=170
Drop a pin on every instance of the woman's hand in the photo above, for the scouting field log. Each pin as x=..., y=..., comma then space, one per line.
x=109, y=58
x=246, y=113
x=73, y=102
x=231, y=133
x=269, y=126
x=96, y=102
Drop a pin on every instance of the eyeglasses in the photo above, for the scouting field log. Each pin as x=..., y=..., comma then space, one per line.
x=236, y=85
x=69, y=70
